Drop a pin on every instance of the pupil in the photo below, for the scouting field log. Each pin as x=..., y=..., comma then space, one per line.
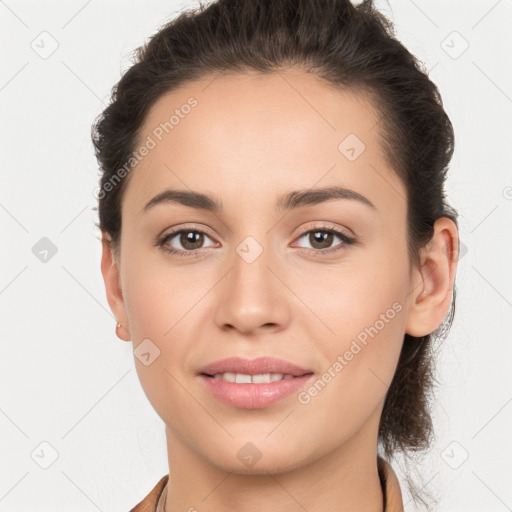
x=323, y=238
x=190, y=237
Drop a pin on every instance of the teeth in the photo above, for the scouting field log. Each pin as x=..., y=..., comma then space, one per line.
x=242, y=378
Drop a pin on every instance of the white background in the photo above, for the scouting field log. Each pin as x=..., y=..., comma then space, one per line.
x=67, y=380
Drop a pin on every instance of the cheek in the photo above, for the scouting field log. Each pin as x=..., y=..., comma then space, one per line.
x=360, y=362
x=353, y=296
x=363, y=305
x=157, y=308
x=161, y=304
x=155, y=297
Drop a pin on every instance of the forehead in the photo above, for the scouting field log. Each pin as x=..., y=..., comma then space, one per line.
x=250, y=134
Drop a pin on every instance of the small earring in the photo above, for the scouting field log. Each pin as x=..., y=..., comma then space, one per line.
x=118, y=333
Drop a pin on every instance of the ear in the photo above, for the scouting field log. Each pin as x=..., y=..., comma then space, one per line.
x=432, y=287
x=110, y=272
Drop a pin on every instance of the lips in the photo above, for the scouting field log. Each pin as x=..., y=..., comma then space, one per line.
x=258, y=366
x=253, y=383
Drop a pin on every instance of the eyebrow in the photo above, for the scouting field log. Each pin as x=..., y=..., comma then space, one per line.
x=287, y=202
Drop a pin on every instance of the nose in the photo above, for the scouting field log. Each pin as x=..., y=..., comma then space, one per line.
x=252, y=296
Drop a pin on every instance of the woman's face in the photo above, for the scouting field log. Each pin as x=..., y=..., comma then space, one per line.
x=268, y=278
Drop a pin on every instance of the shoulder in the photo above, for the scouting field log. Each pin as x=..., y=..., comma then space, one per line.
x=148, y=504
x=394, y=499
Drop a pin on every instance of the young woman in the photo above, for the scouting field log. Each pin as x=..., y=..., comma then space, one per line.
x=278, y=248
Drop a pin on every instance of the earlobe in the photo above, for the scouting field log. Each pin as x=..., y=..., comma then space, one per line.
x=110, y=272
x=431, y=295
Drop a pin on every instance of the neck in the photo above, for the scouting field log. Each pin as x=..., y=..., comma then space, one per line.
x=342, y=480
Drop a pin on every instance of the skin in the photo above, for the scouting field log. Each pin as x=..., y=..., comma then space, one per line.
x=251, y=139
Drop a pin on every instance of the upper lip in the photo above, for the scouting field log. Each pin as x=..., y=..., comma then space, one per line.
x=256, y=366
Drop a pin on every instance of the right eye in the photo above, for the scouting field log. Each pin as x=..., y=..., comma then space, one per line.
x=190, y=239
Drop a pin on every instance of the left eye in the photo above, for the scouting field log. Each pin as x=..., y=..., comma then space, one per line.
x=321, y=239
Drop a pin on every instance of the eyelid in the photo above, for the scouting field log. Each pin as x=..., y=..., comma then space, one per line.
x=184, y=227
x=320, y=226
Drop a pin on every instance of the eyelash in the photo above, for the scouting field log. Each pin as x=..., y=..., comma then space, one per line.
x=346, y=240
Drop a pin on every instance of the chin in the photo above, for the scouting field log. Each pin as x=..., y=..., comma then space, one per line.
x=255, y=458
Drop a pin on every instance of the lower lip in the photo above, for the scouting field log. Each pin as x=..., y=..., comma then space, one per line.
x=253, y=396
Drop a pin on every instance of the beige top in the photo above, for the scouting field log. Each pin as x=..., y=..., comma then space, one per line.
x=155, y=500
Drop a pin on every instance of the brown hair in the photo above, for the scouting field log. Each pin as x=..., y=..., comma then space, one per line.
x=348, y=47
